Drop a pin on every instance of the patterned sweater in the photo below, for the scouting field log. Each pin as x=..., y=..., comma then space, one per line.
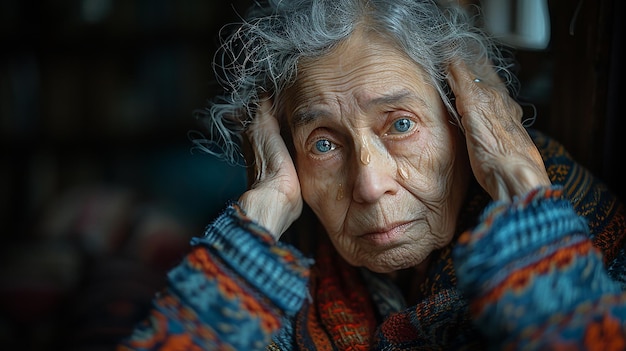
x=546, y=271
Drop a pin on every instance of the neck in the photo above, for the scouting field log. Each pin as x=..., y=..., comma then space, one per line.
x=409, y=280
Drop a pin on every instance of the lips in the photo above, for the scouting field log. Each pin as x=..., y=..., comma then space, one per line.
x=387, y=235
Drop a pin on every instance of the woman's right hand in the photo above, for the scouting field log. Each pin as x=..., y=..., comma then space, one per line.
x=273, y=200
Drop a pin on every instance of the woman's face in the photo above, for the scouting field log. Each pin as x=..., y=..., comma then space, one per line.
x=378, y=160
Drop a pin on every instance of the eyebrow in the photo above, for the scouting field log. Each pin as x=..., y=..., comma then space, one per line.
x=306, y=116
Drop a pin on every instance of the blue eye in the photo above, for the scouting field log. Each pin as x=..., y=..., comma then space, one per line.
x=403, y=125
x=324, y=145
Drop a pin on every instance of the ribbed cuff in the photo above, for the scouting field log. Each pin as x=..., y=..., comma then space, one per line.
x=279, y=271
x=508, y=232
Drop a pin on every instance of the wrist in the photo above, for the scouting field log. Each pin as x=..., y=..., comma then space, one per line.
x=270, y=210
x=518, y=182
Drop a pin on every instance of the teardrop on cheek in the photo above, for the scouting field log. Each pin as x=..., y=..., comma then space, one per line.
x=404, y=174
x=365, y=157
x=365, y=152
x=340, y=193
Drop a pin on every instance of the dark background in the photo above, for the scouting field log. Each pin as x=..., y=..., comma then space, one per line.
x=100, y=188
x=98, y=173
x=103, y=91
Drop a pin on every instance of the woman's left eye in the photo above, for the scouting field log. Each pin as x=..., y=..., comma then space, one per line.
x=402, y=125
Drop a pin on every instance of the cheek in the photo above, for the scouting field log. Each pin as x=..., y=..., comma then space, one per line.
x=323, y=190
x=426, y=168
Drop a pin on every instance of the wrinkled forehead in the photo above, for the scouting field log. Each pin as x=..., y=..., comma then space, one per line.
x=364, y=64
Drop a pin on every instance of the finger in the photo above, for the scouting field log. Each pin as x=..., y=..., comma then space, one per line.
x=460, y=77
x=464, y=77
x=466, y=86
x=263, y=119
x=480, y=92
x=256, y=142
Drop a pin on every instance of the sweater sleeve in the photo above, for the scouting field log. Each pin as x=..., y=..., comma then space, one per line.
x=535, y=280
x=231, y=292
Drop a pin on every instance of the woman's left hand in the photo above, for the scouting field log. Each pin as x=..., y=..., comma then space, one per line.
x=503, y=157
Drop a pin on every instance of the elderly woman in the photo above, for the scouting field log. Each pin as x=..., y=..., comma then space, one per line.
x=397, y=201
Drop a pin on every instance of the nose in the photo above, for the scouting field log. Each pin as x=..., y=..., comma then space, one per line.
x=374, y=177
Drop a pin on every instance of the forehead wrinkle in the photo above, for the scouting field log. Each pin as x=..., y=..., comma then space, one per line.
x=306, y=116
x=394, y=98
x=324, y=105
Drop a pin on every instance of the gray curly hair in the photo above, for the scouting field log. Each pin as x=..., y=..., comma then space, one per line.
x=258, y=58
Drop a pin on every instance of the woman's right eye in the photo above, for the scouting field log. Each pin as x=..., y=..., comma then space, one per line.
x=323, y=146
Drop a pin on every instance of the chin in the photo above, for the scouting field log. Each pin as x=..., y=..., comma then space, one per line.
x=389, y=262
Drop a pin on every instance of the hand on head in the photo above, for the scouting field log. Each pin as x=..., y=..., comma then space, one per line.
x=503, y=157
x=274, y=199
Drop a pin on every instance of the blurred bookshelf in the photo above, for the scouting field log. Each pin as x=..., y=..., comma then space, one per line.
x=104, y=91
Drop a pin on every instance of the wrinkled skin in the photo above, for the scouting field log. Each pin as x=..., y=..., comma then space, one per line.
x=377, y=158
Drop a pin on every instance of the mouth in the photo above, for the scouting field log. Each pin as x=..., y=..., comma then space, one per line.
x=387, y=235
